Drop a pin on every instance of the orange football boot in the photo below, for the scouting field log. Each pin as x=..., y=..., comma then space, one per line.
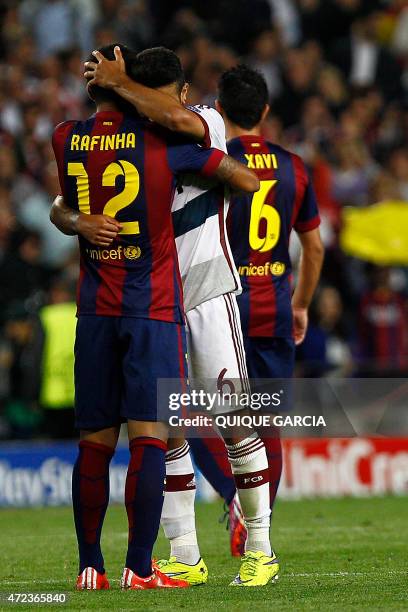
x=90, y=579
x=157, y=580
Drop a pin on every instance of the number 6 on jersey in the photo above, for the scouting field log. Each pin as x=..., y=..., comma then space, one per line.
x=260, y=210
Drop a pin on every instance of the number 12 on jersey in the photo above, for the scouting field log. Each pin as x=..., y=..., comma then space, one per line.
x=260, y=210
x=109, y=176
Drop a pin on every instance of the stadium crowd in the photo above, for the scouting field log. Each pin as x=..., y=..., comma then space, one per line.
x=337, y=73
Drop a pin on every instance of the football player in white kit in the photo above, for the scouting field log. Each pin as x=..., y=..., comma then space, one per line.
x=210, y=282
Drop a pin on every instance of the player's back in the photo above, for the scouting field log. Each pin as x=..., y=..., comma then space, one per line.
x=121, y=166
x=259, y=228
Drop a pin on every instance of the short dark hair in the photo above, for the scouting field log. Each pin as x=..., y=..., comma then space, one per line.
x=102, y=94
x=158, y=67
x=243, y=94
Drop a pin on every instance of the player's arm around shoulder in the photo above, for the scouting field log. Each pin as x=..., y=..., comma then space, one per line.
x=99, y=230
x=190, y=123
x=237, y=175
x=156, y=105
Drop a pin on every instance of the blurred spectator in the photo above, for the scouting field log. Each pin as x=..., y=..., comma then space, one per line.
x=398, y=166
x=238, y=21
x=384, y=187
x=53, y=27
x=286, y=17
x=363, y=60
x=7, y=221
x=400, y=34
x=34, y=214
x=382, y=348
x=264, y=57
x=129, y=21
x=58, y=24
x=22, y=275
x=331, y=85
x=56, y=393
x=353, y=173
x=24, y=352
x=329, y=20
x=298, y=85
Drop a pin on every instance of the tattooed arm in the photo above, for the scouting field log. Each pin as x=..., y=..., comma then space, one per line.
x=236, y=175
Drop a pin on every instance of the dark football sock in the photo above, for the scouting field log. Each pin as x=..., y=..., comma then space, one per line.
x=90, y=498
x=211, y=458
x=273, y=447
x=144, y=501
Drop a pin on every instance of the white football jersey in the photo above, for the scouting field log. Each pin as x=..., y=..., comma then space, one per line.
x=199, y=210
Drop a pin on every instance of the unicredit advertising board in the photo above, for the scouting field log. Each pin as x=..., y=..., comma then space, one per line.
x=40, y=474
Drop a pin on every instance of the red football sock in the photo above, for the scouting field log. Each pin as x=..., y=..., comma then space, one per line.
x=274, y=454
x=90, y=498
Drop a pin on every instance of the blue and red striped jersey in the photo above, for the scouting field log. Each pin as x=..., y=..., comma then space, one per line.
x=382, y=331
x=125, y=167
x=259, y=228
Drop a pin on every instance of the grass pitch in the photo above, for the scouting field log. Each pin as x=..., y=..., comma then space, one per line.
x=346, y=555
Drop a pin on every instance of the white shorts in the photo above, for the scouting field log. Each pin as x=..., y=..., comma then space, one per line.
x=215, y=346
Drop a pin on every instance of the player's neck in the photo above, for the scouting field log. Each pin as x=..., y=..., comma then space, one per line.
x=103, y=107
x=234, y=131
x=171, y=90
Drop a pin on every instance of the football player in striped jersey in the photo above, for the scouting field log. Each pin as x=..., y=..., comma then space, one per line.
x=130, y=316
x=210, y=282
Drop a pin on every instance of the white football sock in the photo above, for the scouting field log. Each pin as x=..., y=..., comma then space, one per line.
x=178, y=515
x=249, y=465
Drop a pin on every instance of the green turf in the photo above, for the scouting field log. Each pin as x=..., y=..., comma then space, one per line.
x=335, y=555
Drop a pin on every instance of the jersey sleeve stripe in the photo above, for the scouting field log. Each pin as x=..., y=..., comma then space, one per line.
x=212, y=163
x=307, y=226
x=59, y=138
x=301, y=178
x=206, y=142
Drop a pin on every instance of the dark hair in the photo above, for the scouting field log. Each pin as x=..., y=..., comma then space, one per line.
x=243, y=94
x=157, y=67
x=101, y=94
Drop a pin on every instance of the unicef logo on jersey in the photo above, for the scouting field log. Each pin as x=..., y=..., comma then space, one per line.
x=278, y=268
x=132, y=252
